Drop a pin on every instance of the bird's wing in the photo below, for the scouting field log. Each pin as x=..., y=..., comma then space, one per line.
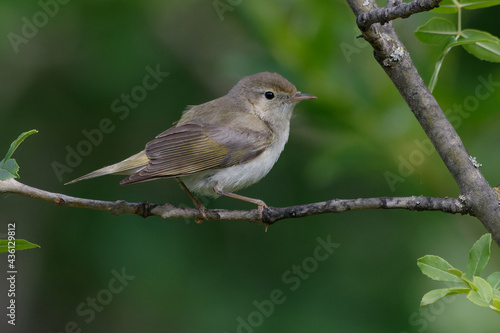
x=193, y=147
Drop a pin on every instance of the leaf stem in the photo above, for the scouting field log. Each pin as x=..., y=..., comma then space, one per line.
x=459, y=20
x=439, y=63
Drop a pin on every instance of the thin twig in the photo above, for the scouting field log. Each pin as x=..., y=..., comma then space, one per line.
x=270, y=215
x=394, y=11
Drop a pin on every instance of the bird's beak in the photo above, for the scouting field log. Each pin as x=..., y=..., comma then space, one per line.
x=301, y=97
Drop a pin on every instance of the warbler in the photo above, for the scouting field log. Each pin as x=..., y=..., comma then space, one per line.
x=221, y=146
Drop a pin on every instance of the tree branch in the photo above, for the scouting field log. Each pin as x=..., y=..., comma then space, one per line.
x=394, y=10
x=271, y=215
x=477, y=199
x=391, y=54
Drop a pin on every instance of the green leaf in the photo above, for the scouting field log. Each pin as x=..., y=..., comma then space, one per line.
x=20, y=244
x=436, y=31
x=483, y=288
x=16, y=143
x=475, y=4
x=9, y=169
x=481, y=44
x=476, y=298
x=446, y=7
x=437, y=268
x=479, y=256
x=436, y=294
x=496, y=304
x=456, y=272
x=8, y=166
x=494, y=280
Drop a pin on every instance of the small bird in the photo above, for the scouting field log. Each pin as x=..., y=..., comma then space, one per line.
x=221, y=146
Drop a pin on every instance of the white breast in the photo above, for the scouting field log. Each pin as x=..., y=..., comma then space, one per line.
x=239, y=176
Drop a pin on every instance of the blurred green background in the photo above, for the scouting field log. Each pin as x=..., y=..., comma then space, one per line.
x=215, y=277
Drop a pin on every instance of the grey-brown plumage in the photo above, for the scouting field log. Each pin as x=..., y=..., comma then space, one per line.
x=199, y=145
x=220, y=146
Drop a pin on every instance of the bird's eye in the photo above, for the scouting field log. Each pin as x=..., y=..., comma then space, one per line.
x=269, y=95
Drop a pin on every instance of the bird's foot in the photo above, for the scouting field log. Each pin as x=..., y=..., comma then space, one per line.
x=202, y=210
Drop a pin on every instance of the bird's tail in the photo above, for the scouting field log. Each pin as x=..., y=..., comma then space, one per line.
x=125, y=167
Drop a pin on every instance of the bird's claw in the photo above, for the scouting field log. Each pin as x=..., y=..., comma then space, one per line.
x=204, y=217
x=260, y=210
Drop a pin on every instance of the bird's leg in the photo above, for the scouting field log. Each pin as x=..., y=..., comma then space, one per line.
x=260, y=204
x=197, y=202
